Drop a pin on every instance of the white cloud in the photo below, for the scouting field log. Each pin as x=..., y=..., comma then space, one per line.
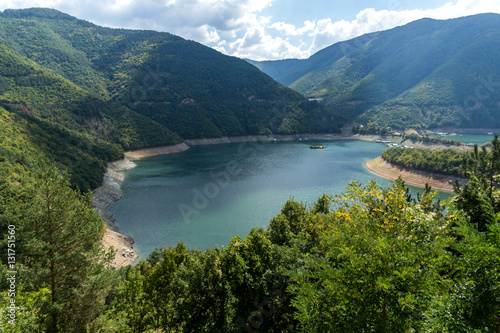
x=291, y=30
x=369, y=20
x=287, y=29
x=219, y=14
x=207, y=35
x=239, y=28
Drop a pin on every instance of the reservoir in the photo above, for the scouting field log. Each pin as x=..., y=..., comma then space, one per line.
x=206, y=195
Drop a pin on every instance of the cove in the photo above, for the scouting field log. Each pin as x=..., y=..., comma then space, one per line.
x=206, y=195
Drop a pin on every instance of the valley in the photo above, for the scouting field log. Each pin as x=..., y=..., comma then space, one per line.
x=404, y=77
x=150, y=183
x=171, y=220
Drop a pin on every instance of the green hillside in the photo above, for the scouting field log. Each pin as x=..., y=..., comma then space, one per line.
x=184, y=87
x=29, y=88
x=82, y=93
x=428, y=73
x=24, y=140
x=371, y=259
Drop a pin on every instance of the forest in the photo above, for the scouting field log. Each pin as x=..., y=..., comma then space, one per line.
x=74, y=96
x=371, y=259
x=421, y=75
x=448, y=161
x=82, y=94
x=429, y=139
x=141, y=88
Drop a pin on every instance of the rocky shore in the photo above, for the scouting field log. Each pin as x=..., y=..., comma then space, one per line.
x=247, y=138
x=110, y=192
x=147, y=152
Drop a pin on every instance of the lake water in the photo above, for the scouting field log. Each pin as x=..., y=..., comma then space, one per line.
x=208, y=194
x=478, y=139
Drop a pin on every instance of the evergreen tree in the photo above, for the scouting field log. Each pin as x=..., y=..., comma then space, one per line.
x=64, y=234
x=479, y=198
x=474, y=303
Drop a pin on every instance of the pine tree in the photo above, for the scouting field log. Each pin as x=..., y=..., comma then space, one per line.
x=64, y=234
x=479, y=198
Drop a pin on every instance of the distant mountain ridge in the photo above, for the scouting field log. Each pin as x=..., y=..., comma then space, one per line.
x=428, y=73
x=167, y=84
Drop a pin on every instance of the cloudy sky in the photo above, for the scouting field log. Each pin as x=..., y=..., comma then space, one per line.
x=262, y=29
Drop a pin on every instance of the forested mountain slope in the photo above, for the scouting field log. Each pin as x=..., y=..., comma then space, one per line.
x=28, y=88
x=106, y=77
x=82, y=94
x=73, y=95
x=428, y=73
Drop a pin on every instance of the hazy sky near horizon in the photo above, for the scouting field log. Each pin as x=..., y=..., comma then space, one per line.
x=262, y=29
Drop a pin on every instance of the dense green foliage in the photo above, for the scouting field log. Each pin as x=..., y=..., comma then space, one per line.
x=25, y=139
x=372, y=259
x=52, y=263
x=479, y=197
x=446, y=161
x=430, y=139
x=101, y=80
x=425, y=74
x=61, y=249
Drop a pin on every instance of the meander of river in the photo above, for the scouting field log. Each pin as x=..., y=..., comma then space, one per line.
x=206, y=195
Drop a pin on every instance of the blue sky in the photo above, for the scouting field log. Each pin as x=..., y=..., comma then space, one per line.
x=262, y=29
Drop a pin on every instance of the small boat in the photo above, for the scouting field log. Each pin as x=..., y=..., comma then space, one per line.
x=318, y=147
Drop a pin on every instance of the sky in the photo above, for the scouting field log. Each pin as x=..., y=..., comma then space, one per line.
x=262, y=29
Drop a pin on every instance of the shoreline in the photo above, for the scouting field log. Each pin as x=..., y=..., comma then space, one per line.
x=104, y=196
x=134, y=155
x=110, y=190
x=137, y=154
x=412, y=177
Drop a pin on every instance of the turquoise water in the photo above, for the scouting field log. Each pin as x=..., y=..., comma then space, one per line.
x=208, y=194
x=478, y=139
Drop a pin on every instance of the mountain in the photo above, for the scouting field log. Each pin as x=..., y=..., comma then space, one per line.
x=428, y=73
x=29, y=88
x=142, y=88
x=78, y=95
